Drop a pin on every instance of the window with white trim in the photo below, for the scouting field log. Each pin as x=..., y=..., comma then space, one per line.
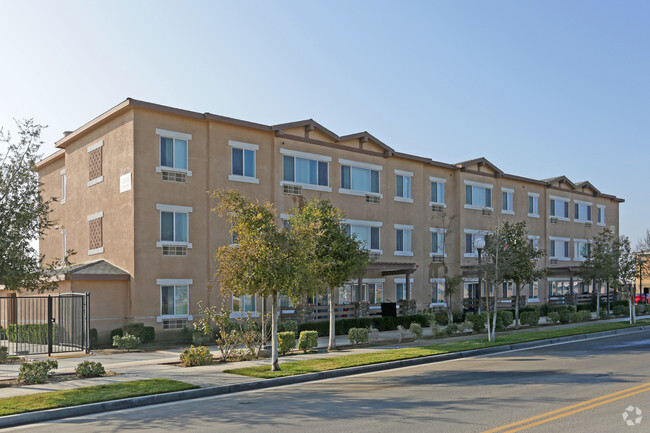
x=559, y=208
x=559, y=248
x=375, y=292
x=533, y=205
x=243, y=161
x=507, y=205
x=174, y=225
x=471, y=237
x=533, y=290
x=95, y=233
x=173, y=150
x=306, y=169
x=558, y=287
x=582, y=249
x=437, y=242
x=437, y=290
x=582, y=211
x=477, y=195
x=174, y=299
x=95, y=163
x=244, y=304
x=437, y=191
x=365, y=231
x=359, y=177
x=63, y=186
x=403, y=240
x=403, y=186
x=400, y=288
x=533, y=241
x=507, y=289
x=601, y=215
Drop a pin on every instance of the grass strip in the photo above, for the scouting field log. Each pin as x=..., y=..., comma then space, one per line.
x=89, y=394
x=345, y=361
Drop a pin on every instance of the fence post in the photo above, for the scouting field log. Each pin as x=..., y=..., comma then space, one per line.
x=49, y=325
x=87, y=311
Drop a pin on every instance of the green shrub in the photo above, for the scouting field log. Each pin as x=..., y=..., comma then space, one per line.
x=32, y=334
x=530, y=318
x=584, y=308
x=506, y=317
x=198, y=338
x=286, y=342
x=584, y=315
x=89, y=369
x=4, y=354
x=343, y=326
x=185, y=335
x=441, y=317
x=308, y=340
x=94, y=337
x=127, y=342
x=146, y=334
x=36, y=371
x=358, y=335
x=545, y=309
x=565, y=316
x=576, y=317
x=604, y=314
x=620, y=310
x=193, y=356
x=437, y=330
x=289, y=326
x=451, y=329
x=466, y=326
x=637, y=310
x=458, y=316
x=478, y=321
x=553, y=317
x=416, y=330
x=117, y=331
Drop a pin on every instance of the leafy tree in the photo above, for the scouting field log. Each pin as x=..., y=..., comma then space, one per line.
x=600, y=265
x=452, y=284
x=625, y=269
x=268, y=260
x=24, y=212
x=495, y=266
x=337, y=256
x=522, y=260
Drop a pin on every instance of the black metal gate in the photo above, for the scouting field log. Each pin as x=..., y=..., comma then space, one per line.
x=45, y=324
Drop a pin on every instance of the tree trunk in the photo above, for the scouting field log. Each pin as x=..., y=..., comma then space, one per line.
x=597, y=300
x=517, y=288
x=330, y=302
x=632, y=306
x=494, y=318
x=275, y=363
x=608, y=310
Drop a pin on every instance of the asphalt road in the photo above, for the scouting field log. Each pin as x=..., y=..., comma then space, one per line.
x=574, y=387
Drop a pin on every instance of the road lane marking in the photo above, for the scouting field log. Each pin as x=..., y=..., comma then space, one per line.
x=566, y=411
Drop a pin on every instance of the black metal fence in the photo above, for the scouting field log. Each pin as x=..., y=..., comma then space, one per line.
x=45, y=324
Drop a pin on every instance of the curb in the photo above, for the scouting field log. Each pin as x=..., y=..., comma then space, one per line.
x=128, y=403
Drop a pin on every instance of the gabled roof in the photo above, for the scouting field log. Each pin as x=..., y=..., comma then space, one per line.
x=95, y=270
x=480, y=162
x=587, y=184
x=560, y=179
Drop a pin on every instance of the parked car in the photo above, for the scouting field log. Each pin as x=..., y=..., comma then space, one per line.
x=642, y=298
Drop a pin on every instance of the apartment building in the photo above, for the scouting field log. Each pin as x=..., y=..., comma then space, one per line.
x=132, y=185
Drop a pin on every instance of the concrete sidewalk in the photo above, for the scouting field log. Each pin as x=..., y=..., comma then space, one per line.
x=159, y=364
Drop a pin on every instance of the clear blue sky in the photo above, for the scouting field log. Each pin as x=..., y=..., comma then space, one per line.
x=540, y=88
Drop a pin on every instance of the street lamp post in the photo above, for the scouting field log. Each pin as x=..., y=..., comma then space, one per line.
x=479, y=244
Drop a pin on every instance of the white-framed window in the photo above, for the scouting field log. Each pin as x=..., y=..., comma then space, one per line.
x=507, y=205
x=533, y=205
x=403, y=240
x=63, y=186
x=243, y=162
x=558, y=287
x=96, y=233
x=367, y=232
x=400, y=288
x=437, y=191
x=478, y=195
x=309, y=170
x=532, y=290
x=437, y=291
x=470, y=288
x=173, y=151
x=174, y=225
x=559, y=248
x=507, y=289
x=403, y=183
x=601, y=215
x=437, y=242
x=559, y=208
x=374, y=291
x=242, y=305
x=95, y=163
x=582, y=249
x=359, y=178
x=174, y=299
x=471, y=237
x=582, y=211
x=533, y=241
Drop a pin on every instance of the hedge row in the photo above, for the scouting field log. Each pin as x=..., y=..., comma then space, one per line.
x=146, y=334
x=32, y=334
x=343, y=326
